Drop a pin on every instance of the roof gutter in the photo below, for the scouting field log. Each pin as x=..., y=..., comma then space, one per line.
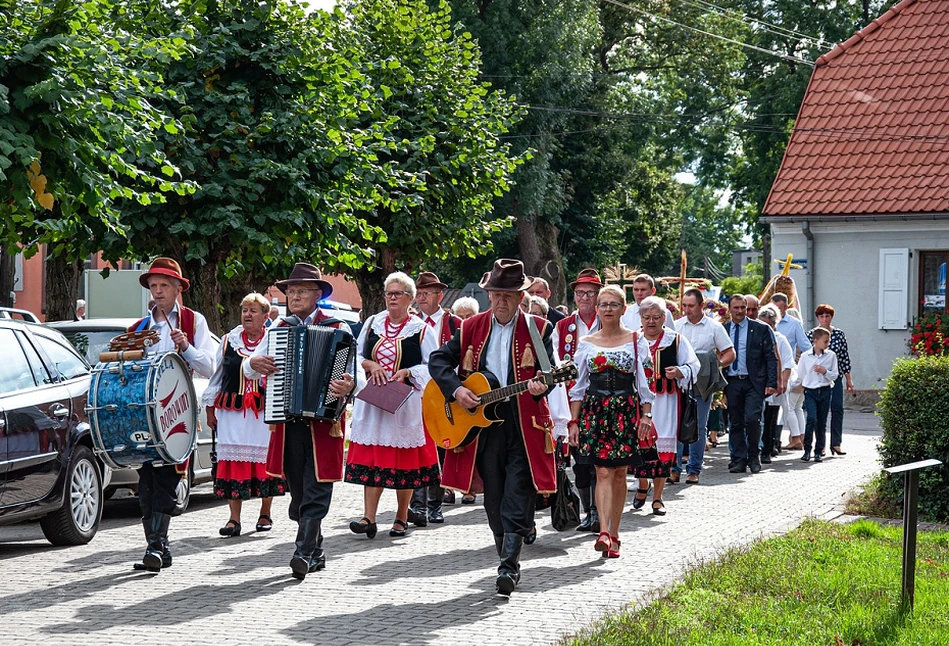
x=811, y=261
x=904, y=217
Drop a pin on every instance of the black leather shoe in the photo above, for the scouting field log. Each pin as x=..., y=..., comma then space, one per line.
x=595, y=525
x=360, y=527
x=506, y=584
x=449, y=498
x=531, y=537
x=765, y=458
x=738, y=468
x=418, y=518
x=806, y=457
x=436, y=516
x=818, y=457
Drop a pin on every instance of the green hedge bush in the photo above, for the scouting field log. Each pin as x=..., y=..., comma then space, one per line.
x=914, y=410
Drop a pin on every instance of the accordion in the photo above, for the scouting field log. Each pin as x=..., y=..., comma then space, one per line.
x=308, y=358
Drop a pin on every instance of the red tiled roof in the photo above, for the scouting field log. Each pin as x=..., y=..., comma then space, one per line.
x=872, y=134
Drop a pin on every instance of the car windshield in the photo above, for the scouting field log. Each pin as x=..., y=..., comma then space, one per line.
x=91, y=343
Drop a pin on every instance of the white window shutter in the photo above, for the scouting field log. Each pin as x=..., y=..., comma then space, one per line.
x=894, y=289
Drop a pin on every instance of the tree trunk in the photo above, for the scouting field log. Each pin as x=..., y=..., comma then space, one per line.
x=205, y=293
x=7, y=276
x=369, y=281
x=537, y=241
x=62, y=287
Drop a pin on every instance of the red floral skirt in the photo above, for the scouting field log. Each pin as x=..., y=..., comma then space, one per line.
x=391, y=467
x=239, y=480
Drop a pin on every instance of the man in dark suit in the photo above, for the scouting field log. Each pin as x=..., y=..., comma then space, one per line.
x=540, y=288
x=751, y=377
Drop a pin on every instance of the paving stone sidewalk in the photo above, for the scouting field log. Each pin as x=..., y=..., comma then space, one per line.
x=435, y=586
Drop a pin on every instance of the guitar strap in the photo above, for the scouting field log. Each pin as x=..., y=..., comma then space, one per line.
x=542, y=357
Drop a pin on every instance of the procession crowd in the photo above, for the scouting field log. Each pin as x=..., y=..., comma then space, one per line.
x=648, y=397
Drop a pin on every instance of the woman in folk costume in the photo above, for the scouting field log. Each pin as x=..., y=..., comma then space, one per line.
x=392, y=450
x=309, y=453
x=235, y=409
x=670, y=365
x=612, y=405
x=514, y=458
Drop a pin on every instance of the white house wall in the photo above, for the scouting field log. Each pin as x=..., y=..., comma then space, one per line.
x=846, y=275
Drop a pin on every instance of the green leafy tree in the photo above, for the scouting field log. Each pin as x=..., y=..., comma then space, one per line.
x=77, y=131
x=439, y=129
x=272, y=106
x=710, y=232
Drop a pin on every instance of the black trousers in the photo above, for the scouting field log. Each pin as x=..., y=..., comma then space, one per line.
x=308, y=498
x=770, y=428
x=509, y=493
x=157, y=489
x=744, y=418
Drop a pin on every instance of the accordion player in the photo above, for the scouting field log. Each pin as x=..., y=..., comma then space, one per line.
x=308, y=358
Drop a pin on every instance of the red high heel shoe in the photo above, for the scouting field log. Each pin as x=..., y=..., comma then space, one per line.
x=613, y=553
x=603, y=543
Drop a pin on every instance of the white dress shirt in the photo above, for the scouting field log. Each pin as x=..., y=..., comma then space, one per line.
x=497, y=356
x=808, y=377
x=705, y=336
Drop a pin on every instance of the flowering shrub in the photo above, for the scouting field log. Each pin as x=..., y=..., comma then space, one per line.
x=930, y=335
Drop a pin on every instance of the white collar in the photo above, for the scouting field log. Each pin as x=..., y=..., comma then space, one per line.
x=436, y=316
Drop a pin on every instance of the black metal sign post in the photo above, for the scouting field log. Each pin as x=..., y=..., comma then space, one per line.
x=910, y=497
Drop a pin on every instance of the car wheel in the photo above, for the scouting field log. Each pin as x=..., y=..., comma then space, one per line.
x=183, y=492
x=77, y=521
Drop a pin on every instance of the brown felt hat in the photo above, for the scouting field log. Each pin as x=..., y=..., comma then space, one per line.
x=304, y=272
x=164, y=267
x=428, y=280
x=507, y=275
x=587, y=277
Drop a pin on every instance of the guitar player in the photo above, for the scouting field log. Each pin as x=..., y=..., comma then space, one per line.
x=514, y=458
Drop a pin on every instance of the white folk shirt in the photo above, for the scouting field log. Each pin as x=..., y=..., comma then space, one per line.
x=200, y=355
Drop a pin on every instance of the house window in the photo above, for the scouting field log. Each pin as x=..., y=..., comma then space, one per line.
x=932, y=280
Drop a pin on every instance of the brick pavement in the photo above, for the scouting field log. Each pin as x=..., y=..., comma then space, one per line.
x=435, y=586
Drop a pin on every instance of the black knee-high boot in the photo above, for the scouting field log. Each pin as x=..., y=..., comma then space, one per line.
x=594, y=514
x=418, y=512
x=435, y=496
x=156, y=528
x=586, y=496
x=309, y=556
x=509, y=570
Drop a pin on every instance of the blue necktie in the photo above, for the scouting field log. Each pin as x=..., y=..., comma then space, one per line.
x=735, y=342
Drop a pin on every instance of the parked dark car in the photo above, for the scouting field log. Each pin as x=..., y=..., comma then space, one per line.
x=48, y=470
x=92, y=336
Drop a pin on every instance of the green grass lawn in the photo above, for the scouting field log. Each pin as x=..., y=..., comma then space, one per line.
x=824, y=583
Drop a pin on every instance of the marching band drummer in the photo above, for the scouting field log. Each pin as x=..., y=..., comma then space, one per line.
x=183, y=330
x=309, y=454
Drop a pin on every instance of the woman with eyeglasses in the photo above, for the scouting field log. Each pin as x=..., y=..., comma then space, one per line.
x=670, y=365
x=611, y=405
x=392, y=450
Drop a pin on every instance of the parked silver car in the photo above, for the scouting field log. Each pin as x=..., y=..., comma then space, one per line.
x=92, y=336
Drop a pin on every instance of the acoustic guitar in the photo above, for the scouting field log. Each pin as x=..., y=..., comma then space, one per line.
x=451, y=425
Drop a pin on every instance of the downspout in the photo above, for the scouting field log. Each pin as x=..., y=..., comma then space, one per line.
x=809, y=254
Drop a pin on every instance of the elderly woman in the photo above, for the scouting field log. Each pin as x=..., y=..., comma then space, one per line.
x=838, y=345
x=539, y=306
x=234, y=408
x=465, y=307
x=612, y=408
x=670, y=365
x=392, y=450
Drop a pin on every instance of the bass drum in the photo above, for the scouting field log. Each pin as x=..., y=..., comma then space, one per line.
x=143, y=412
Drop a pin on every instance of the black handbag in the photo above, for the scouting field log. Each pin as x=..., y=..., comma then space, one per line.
x=689, y=419
x=565, y=511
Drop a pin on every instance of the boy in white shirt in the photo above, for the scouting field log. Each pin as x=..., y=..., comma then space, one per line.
x=816, y=371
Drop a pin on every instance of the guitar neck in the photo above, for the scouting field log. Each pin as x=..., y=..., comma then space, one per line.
x=504, y=392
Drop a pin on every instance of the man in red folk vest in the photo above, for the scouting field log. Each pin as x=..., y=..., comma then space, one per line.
x=567, y=335
x=426, y=504
x=308, y=453
x=185, y=331
x=515, y=457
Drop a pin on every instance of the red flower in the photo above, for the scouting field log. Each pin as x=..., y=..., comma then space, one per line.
x=648, y=372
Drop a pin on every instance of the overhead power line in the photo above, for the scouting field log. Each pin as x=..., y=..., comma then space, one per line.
x=763, y=25
x=786, y=57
